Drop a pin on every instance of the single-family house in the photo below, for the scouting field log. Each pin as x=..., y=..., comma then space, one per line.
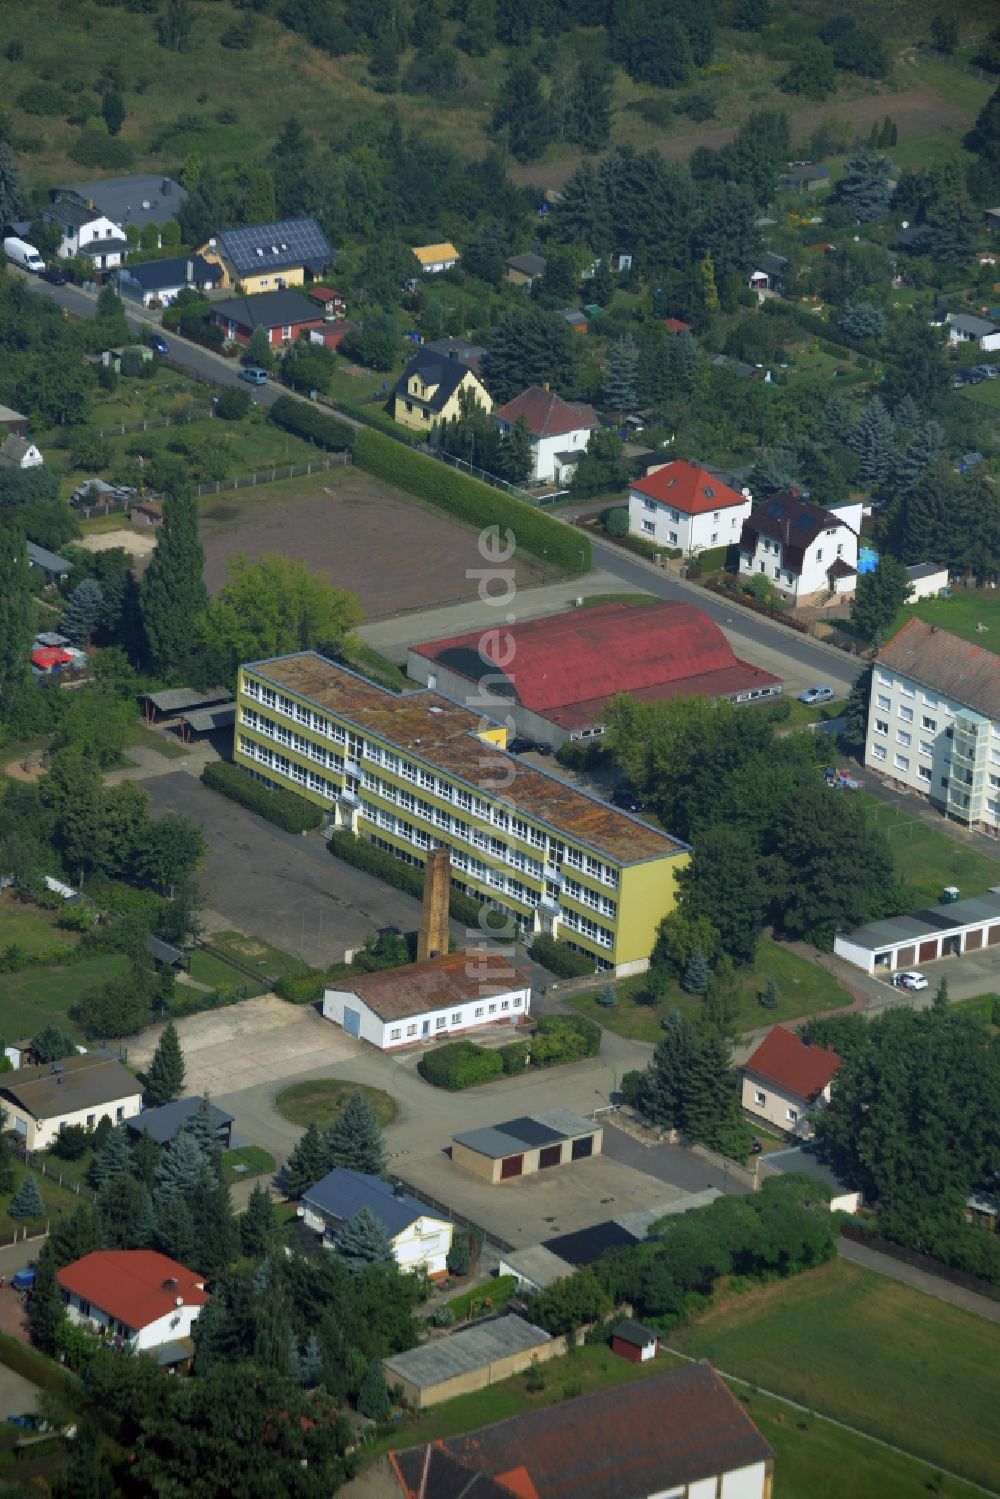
x=440, y=997
x=143, y=1298
x=926, y=580
x=431, y=388
x=283, y=315
x=162, y=1124
x=436, y=258
x=18, y=452
x=803, y=177
x=461, y=349
x=804, y=551
x=683, y=505
x=87, y=231
x=965, y=327
x=159, y=281
x=40, y=1101
x=139, y=199
x=52, y=567
x=786, y=1080
x=267, y=257
x=678, y=1434
x=934, y=723
x=13, y=422
x=331, y=303
x=420, y=1238
x=46, y=660
x=559, y=431
x=770, y=274
x=524, y=270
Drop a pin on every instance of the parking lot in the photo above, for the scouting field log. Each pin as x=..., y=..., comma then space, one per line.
x=971, y=974
x=287, y=889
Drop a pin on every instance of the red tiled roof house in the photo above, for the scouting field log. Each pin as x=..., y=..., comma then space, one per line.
x=786, y=1080
x=559, y=431
x=683, y=505
x=555, y=677
x=138, y=1295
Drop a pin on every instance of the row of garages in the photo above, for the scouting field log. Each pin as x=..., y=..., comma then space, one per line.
x=902, y=942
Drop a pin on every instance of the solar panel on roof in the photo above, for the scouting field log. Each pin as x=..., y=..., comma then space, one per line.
x=803, y=522
x=301, y=240
x=776, y=508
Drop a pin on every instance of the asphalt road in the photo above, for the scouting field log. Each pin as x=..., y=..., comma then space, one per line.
x=797, y=658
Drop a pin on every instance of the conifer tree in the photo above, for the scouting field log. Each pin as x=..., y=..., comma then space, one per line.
x=373, y=1396
x=179, y=1168
x=873, y=440
x=173, y=1232
x=354, y=1139
x=607, y=997
x=363, y=1241
x=173, y=593
x=941, y=999
x=16, y=609
x=27, y=1200
x=165, y=1079
x=923, y=447
x=145, y=1159
x=622, y=373
x=45, y=1308
x=698, y=974
x=257, y=1224
x=82, y=609
x=307, y=1163
x=113, y=1160
x=125, y=1208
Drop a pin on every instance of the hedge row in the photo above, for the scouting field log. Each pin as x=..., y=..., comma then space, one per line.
x=460, y=1065
x=473, y=502
x=301, y=988
x=185, y=1001
x=284, y=808
x=559, y=958
x=377, y=417
x=514, y=1057
x=311, y=423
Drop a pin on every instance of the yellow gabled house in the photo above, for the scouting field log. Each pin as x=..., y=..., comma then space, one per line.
x=435, y=258
x=268, y=257
x=431, y=390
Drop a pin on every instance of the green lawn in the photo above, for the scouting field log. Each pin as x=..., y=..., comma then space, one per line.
x=25, y=925
x=320, y=1101
x=961, y=614
x=806, y=713
x=254, y=951
x=878, y=1355
x=926, y=859
x=36, y=997
x=206, y=969
x=981, y=1005
x=490, y=1297
x=803, y=989
x=161, y=742
x=59, y=1203
x=813, y=1458
x=256, y=1160
x=963, y=89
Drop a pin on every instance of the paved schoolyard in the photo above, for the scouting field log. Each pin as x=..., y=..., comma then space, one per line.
x=285, y=888
x=357, y=533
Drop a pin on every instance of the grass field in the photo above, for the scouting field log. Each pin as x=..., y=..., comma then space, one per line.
x=206, y=969
x=960, y=614
x=980, y=1005
x=36, y=997
x=803, y=989
x=866, y=1350
x=254, y=951
x=320, y=1101
x=59, y=1203
x=926, y=859
x=256, y=1161
x=23, y=925
x=167, y=745
x=490, y=1298
x=986, y=394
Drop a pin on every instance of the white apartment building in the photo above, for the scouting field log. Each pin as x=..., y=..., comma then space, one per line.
x=934, y=722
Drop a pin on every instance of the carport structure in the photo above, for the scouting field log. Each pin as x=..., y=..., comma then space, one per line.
x=902, y=942
x=174, y=701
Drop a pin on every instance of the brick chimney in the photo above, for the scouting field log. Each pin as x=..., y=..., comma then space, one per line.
x=432, y=939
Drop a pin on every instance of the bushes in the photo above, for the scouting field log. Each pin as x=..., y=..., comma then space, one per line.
x=301, y=988
x=471, y=501
x=559, y=958
x=283, y=808
x=311, y=423
x=460, y=1065
x=409, y=877
x=614, y=520
x=95, y=148
x=514, y=1057
x=564, y=1038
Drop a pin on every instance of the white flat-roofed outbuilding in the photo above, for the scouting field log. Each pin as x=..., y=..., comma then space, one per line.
x=902, y=942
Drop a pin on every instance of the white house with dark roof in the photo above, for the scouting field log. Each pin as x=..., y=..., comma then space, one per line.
x=559, y=430
x=420, y=1238
x=87, y=231
x=934, y=722
x=161, y=280
x=140, y=198
x=965, y=328
x=41, y=1101
x=803, y=550
x=19, y=452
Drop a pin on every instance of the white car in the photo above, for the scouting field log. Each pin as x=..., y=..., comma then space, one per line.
x=911, y=981
x=817, y=695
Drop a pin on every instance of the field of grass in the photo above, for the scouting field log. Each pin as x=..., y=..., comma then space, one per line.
x=632, y=600
x=206, y=969
x=23, y=925
x=803, y=989
x=961, y=614
x=964, y=90
x=878, y=1355
x=59, y=1203
x=926, y=859
x=167, y=745
x=320, y=1101
x=986, y=394
x=256, y=1160
x=491, y=1297
x=980, y=1005
x=256, y=953
x=36, y=997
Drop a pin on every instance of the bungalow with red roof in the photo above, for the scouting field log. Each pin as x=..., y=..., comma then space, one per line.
x=786, y=1080
x=559, y=431
x=682, y=505
x=137, y=1295
x=331, y=303
x=554, y=678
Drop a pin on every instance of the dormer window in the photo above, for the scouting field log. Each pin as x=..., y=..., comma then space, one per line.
x=709, y=492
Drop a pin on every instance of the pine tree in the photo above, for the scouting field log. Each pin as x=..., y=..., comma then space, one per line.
x=769, y=998
x=178, y=1168
x=522, y=113
x=173, y=1230
x=373, y=1396
x=662, y=1087
x=8, y=1169
x=172, y=593
x=145, y=1159
x=622, y=373
x=873, y=440
x=27, y=1200
x=354, y=1138
x=310, y=1363
x=698, y=974
x=113, y=1160
x=165, y=1079
x=607, y=997
x=924, y=446
x=602, y=287
x=257, y=1224
x=259, y=350
x=113, y=110
x=860, y=317
x=16, y=610
x=307, y=1163
x=514, y=455
x=201, y=1129
x=708, y=1089
x=125, y=1208
x=45, y=1307
x=836, y=418
x=362, y=1241
x=941, y=999
x=855, y=716
x=865, y=188
x=907, y=414
x=879, y=596
x=216, y=1235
